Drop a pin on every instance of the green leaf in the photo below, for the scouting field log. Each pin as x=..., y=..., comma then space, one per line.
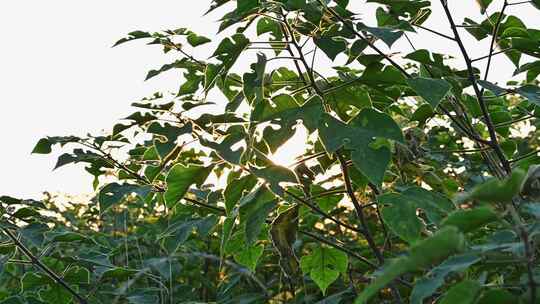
x=118, y=273
x=243, y=6
x=387, y=35
x=433, y=60
x=196, y=40
x=428, y=285
x=32, y=280
x=143, y=299
x=359, y=136
x=464, y=292
x=275, y=175
x=13, y=300
x=483, y=5
x=256, y=218
x=530, y=92
x=400, y=217
x=399, y=212
x=435, y=205
x=254, y=81
x=133, y=36
x=286, y=112
x=56, y=294
x=65, y=236
x=324, y=266
x=26, y=213
x=422, y=114
x=495, y=89
x=439, y=246
x=328, y=202
x=114, y=193
x=249, y=256
x=35, y=233
x=235, y=190
x=224, y=148
x=495, y=190
x=330, y=46
x=43, y=147
x=77, y=275
x=432, y=90
x=179, y=231
x=183, y=63
x=254, y=209
x=268, y=25
x=229, y=50
x=497, y=296
x=468, y=220
x=283, y=235
x=180, y=178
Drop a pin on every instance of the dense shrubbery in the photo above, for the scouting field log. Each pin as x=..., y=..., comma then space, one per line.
x=414, y=186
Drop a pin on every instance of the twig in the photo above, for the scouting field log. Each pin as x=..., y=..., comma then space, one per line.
x=489, y=55
x=360, y=213
x=340, y=248
x=494, y=39
x=434, y=32
x=520, y=2
x=42, y=266
x=526, y=155
x=322, y=213
x=493, y=136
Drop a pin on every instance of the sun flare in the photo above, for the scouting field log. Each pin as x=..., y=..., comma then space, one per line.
x=287, y=154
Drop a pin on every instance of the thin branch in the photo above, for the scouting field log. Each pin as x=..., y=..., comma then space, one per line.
x=204, y=205
x=363, y=222
x=340, y=248
x=493, y=136
x=520, y=2
x=507, y=123
x=359, y=211
x=492, y=54
x=283, y=57
x=526, y=155
x=434, y=32
x=305, y=159
x=303, y=60
x=463, y=128
x=459, y=150
x=322, y=213
x=494, y=39
x=289, y=49
x=42, y=266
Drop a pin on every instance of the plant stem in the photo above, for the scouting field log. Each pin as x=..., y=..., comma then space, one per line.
x=434, y=32
x=494, y=39
x=493, y=136
x=323, y=214
x=363, y=222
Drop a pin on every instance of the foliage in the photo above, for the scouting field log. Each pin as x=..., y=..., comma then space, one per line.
x=419, y=182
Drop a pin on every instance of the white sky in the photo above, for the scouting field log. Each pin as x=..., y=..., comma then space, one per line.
x=60, y=76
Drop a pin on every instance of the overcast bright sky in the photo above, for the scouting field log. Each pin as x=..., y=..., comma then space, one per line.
x=60, y=75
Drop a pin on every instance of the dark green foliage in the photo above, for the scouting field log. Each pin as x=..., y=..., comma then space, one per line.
x=411, y=187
